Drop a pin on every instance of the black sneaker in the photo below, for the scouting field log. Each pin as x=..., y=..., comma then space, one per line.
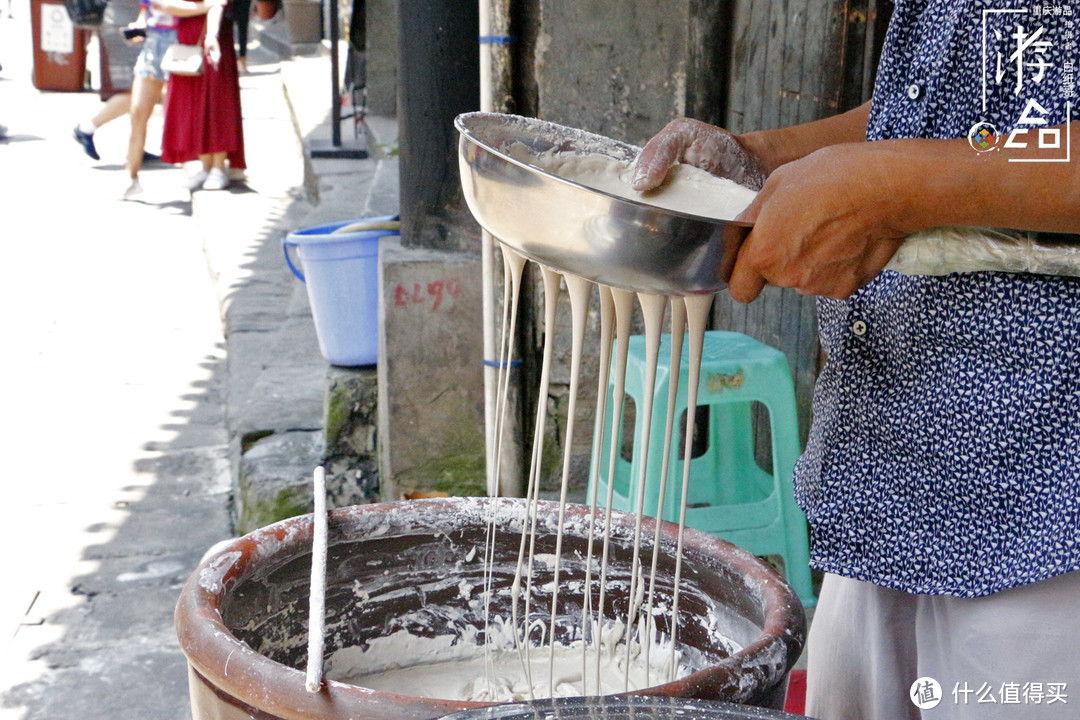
x=87, y=141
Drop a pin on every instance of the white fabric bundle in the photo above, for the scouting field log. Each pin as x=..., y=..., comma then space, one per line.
x=944, y=250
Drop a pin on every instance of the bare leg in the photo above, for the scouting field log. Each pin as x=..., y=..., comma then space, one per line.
x=145, y=94
x=113, y=108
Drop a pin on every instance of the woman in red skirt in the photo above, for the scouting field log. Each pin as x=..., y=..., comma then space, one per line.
x=202, y=112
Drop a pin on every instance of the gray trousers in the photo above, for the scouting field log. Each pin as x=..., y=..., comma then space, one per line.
x=1013, y=655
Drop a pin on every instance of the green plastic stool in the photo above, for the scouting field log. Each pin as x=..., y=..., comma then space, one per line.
x=730, y=496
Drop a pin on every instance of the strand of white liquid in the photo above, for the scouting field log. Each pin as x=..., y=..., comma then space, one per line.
x=678, y=325
x=697, y=318
x=652, y=307
x=579, y=290
x=513, y=264
x=528, y=532
x=607, y=323
x=622, y=304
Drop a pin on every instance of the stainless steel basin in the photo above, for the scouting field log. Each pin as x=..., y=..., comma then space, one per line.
x=573, y=228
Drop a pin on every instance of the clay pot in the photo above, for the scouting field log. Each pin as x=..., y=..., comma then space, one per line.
x=242, y=617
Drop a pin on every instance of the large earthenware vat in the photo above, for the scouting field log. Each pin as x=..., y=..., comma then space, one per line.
x=242, y=617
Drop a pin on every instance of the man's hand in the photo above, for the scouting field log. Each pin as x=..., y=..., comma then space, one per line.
x=825, y=224
x=705, y=146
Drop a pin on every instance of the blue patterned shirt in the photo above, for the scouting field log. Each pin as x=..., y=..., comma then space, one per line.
x=944, y=457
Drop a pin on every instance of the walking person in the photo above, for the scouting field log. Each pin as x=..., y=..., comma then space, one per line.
x=160, y=33
x=203, y=118
x=240, y=12
x=118, y=56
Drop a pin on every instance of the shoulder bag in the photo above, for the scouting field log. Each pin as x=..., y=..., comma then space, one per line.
x=184, y=59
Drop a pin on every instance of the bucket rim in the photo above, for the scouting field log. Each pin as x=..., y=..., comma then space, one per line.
x=327, y=232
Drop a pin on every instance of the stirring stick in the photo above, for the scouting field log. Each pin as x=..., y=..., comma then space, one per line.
x=317, y=607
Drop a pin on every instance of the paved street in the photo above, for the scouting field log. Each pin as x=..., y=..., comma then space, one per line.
x=114, y=435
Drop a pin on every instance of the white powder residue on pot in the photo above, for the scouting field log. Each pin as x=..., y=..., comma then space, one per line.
x=687, y=189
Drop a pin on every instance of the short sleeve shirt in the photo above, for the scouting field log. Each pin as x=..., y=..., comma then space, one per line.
x=944, y=456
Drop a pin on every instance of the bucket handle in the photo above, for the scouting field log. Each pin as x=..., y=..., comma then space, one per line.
x=393, y=226
x=285, y=244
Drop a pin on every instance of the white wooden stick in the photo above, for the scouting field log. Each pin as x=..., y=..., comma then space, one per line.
x=317, y=600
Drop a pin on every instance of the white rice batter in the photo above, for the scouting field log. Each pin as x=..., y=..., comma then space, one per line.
x=687, y=189
x=460, y=668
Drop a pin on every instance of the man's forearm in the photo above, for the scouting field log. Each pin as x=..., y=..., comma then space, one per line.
x=777, y=147
x=931, y=183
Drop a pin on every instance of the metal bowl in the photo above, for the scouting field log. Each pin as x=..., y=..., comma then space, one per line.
x=577, y=229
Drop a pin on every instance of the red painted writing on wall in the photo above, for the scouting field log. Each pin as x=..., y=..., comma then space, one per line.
x=432, y=294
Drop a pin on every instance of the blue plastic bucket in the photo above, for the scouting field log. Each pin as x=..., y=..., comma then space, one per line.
x=341, y=271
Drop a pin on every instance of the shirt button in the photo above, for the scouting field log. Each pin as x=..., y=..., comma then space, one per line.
x=859, y=327
x=914, y=91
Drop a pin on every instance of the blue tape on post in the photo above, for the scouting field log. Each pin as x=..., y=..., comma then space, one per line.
x=497, y=39
x=495, y=363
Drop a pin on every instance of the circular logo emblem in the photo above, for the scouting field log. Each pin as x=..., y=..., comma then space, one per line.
x=925, y=693
x=983, y=137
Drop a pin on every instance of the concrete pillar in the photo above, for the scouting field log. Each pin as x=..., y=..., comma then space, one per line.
x=431, y=429
x=438, y=78
x=381, y=49
x=431, y=395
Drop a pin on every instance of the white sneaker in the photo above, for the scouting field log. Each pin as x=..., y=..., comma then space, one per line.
x=133, y=189
x=216, y=180
x=196, y=181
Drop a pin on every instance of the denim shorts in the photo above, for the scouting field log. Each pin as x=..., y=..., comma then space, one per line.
x=149, y=63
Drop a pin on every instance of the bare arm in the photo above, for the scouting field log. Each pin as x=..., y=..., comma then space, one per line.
x=140, y=21
x=778, y=147
x=213, y=25
x=747, y=159
x=828, y=222
x=183, y=8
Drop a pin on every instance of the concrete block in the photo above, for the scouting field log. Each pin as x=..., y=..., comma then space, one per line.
x=274, y=480
x=350, y=422
x=431, y=415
